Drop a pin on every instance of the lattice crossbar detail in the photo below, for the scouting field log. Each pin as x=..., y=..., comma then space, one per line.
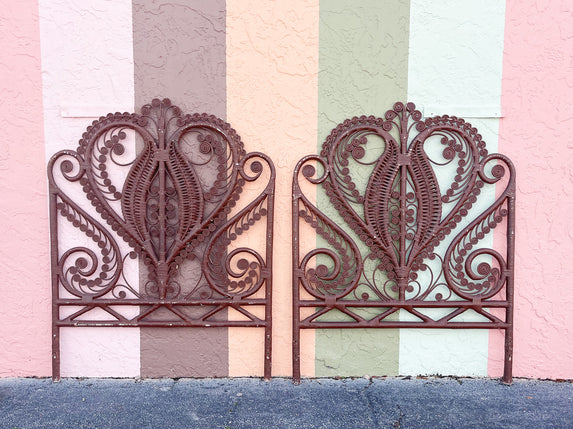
x=415, y=226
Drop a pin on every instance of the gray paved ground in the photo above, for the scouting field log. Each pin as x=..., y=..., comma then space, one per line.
x=252, y=403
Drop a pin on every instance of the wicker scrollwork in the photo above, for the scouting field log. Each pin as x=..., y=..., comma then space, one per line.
x=418, y=206
x=169, y=186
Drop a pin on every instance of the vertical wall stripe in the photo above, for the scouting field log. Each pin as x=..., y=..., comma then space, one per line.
x=536, y=135
x=272, y=62
x=25, y=317
x=179, y=53
x=455, y=59
x=87, y=67
x=363, y=62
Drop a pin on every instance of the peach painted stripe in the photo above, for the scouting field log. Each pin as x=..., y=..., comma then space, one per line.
x=272, y=69
x=536, y=134
x=25, y=313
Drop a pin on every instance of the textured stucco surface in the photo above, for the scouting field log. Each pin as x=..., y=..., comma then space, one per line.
x=363, y=63
x=179, y=53
x=275, y=96
x=455, y=59
x=272, y=64
x=536, y=133
x=183, y=352
x=87, y=70
x=24, y=252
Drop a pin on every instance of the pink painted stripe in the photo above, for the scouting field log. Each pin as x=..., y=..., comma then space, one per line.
x=25, y=313
x=535, y=133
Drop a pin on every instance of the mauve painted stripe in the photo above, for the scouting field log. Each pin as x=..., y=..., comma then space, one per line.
x=179, y=53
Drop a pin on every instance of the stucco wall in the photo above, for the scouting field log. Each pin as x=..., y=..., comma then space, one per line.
x=87, y=69
x=271, y=101
x=179, y=53
x=455, y=66
x=535, y=132
x=287, y=73
x=363, y=60
x=24, y=250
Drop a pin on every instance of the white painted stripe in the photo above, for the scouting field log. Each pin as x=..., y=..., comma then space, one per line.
x=92, y=111
x=455, y=65
x=87, y=60
x=463, y=111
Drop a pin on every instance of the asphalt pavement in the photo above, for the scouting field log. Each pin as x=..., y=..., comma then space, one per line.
x=316, y=403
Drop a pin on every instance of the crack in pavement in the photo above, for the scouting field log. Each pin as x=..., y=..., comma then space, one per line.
x=366, y=396
x=398, y=422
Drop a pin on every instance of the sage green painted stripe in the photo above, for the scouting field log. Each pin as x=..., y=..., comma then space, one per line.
x=363, y=69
